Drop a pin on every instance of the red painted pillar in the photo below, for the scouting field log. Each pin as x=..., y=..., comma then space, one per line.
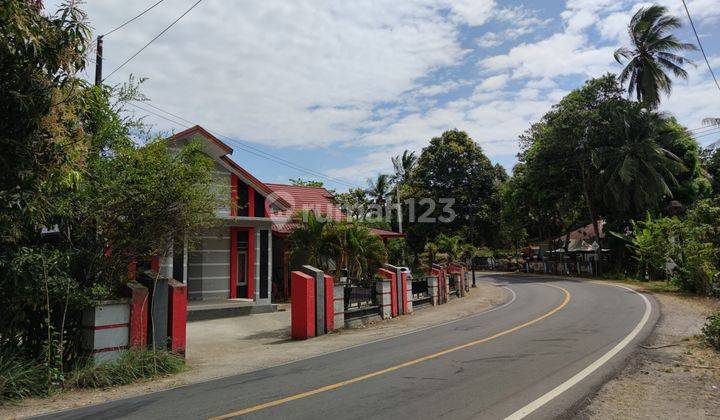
x=155, y=263
x=251, y=201
x=233, y=262
x=404, y=282
x=177, y=319
x=393, y=290
x=132, y=270
x=139, y=305
x=251, y=264
x=302, y=315
x=329, y=303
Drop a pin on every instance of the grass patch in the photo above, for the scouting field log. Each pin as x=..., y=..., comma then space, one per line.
x=134, y=365
x=654, y=286
x=20, y=377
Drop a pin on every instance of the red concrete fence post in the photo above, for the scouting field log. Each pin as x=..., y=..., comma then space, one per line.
x=139, y=306
x=329, y=303
x=177, y=319
x=302, y=316
x=389, y=275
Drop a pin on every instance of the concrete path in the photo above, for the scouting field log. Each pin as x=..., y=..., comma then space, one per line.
x=538, y=355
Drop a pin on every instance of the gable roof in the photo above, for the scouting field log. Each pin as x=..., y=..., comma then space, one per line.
x=234, y=167
x=197, y=130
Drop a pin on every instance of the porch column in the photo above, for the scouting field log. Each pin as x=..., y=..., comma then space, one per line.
x=256, y=264
x=233, y=274
x=269, y=251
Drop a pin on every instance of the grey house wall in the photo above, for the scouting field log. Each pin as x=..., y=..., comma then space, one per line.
x=209, y=266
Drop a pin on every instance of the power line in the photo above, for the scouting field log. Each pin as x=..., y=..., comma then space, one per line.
x=700, y=44
x=152, y=40
x=132, y=19
x=245, y=147
x=250, y=149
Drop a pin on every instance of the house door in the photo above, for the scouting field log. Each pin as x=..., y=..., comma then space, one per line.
x=242, y=274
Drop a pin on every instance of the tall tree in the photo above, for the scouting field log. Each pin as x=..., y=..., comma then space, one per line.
x=40, y=131
x=652, y=54
x=637, y=171
x=453, y=186
x=379, y=190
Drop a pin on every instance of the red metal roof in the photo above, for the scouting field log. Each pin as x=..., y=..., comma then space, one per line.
x=317, y=199
x=302, y=198
x=386, y=234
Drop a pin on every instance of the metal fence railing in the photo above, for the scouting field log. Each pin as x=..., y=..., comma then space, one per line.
x=358, y=297
x=420, y=288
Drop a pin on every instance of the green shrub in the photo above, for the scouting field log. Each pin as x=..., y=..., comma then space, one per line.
x=20, y=377
x=133, y=365
x=711, y=330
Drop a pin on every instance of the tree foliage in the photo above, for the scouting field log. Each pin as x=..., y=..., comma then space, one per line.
x=454, y=167
x=82, y=189
x=652, y=54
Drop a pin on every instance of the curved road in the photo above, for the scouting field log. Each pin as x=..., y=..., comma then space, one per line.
x=538, y=356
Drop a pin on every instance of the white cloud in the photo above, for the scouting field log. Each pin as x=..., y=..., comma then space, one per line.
x=298, y=73
x=493, y=83
x=472, y=12
x=561, y=54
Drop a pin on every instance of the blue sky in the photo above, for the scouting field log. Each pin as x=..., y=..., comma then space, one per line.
x=340, y=87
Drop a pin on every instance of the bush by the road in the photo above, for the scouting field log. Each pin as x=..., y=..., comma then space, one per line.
x=133, y=366
x=711, y=330
x=20, y=377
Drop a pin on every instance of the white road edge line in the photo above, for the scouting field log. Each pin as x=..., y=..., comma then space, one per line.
x=546, y=398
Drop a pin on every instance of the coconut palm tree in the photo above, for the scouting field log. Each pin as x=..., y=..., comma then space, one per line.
x=379, y=190
x=403, y=165
x=652, y=54
x=638, y=172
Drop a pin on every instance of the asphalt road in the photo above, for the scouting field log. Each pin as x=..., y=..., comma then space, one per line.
x=553, y=345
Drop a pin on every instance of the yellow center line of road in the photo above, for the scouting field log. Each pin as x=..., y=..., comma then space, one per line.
x=370, y=375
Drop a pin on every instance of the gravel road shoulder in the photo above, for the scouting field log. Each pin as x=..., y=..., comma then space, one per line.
x=673, y=376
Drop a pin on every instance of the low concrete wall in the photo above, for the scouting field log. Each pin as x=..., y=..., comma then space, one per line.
x=106, y=330
x=433, y=290
x=384, y=298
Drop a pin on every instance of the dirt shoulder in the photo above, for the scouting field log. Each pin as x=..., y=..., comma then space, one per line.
x=673, y=376
x=231, y=346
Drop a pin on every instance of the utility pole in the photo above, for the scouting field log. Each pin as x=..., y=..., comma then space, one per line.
x=98, y=61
